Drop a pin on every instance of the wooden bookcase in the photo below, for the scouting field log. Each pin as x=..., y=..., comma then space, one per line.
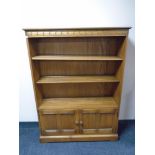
x=77, y=77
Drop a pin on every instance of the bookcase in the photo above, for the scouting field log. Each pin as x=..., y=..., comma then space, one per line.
x=77, y=76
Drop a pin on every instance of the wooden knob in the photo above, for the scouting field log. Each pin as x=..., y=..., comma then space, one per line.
x=81, y=123
x=76, y=122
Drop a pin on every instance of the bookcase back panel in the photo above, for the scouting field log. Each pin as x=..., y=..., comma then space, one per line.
x=78, y=67
x=78, y=90
x=78, y=46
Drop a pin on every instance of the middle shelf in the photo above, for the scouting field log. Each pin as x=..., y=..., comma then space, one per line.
x=76, y=79
x=77, y=58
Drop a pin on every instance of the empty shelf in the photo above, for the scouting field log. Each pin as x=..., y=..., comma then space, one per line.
x=78, y=58
x=78, y=103
x=76, y=79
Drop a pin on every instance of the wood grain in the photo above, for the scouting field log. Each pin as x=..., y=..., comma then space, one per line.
x=79, y=68
x=76, y=32
x=78, y=89
x=69, y=116
x=78, y=103
x=92, y=46
x=80, y=137
x=77, y=77
x=77, y=58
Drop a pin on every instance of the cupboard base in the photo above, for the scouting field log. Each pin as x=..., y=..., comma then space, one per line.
x=68, y=138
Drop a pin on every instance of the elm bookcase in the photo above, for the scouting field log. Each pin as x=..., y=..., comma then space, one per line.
x=77, y=76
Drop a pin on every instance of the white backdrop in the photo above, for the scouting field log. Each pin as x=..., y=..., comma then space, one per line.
x=76, y=13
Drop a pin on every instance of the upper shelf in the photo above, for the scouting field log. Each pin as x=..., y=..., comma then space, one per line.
x=76, y=79
x=64, y=57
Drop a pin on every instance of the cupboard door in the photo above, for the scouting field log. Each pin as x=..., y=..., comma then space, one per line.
x=58, y=122
x=98, y=121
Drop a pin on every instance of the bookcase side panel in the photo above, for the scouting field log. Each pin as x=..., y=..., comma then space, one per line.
x=34, y=66
x=120, y=71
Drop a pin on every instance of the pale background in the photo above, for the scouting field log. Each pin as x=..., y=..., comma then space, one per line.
x=76, y=13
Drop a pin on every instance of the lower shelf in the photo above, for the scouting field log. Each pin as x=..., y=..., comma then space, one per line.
x=76, y=103
x=68, y=138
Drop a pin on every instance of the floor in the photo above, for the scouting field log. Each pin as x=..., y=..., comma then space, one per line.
x=29, y=143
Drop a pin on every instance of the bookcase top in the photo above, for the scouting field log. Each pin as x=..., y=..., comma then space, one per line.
x=76, y=32
x=75, y=28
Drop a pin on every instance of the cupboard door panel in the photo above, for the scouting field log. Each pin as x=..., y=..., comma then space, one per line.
x=58, y=122
x=96, y=121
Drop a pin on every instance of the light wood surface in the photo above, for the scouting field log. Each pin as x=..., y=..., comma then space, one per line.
x=77, y=68
x=78, y=103
x=77, y=46
x=77, y=89
x=72, y=138
x=92, y=58
x=63, y=116
x=77, y=32
x=76, y=28
x=77, y=78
